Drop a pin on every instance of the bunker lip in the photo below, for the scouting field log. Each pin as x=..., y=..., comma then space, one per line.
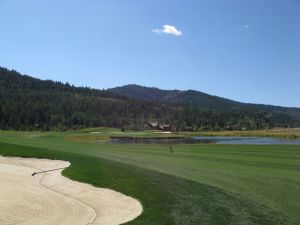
x=50, y=198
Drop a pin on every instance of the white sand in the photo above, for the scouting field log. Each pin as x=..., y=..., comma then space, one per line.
x=51, y=199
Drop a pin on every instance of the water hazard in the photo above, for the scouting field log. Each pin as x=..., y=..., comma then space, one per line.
x=207, y=140
x=249, y=140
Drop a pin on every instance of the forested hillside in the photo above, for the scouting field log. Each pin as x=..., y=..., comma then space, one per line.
x=197, y=98
x=28, y=103
x=187, y=98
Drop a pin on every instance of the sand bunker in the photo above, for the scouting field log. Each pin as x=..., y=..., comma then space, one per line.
x=51, y=199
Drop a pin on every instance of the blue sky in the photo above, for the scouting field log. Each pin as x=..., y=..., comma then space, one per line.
x=245, y=50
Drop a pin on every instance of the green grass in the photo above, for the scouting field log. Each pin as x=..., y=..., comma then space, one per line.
x=197, y=184
x=114, y=132
x=103, y=134
x=289, y=133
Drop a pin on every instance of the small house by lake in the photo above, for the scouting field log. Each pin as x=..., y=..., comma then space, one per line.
x=158, y=126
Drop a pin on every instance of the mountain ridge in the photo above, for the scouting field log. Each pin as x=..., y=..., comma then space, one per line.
x=185, y=97
x=30, y=103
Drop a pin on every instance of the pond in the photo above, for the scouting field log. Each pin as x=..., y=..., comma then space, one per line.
x=167, y=141
x=206, y=140
x=249, y=140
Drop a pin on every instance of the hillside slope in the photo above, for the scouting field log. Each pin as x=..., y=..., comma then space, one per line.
x=190, y=97
x=28, y=103
x=196, y=98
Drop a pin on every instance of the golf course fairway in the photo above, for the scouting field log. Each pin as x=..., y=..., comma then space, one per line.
x=196, y=184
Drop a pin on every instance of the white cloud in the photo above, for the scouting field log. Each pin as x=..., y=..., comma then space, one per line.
x=158, y=31
x=168, y=29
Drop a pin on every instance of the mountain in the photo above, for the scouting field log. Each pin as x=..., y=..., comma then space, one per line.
x=196, y=98
x=31, y=103
x=190, y=97
x=28, y=103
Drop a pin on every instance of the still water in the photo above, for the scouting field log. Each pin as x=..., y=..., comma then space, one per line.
x=208, y=140
x=249, y=140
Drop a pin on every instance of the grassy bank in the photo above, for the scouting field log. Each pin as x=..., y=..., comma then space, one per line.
x=275, y=133
x=197, y=184
x=103, y=134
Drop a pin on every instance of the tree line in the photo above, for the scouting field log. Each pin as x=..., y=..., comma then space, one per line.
x=28, y=103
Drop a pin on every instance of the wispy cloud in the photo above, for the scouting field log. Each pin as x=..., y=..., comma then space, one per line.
x=168, y=29
x=247, y=26
x=158, y=31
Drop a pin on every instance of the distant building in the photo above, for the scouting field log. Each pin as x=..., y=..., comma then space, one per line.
x=158, y=126
x=164, y=127
x=152, y=125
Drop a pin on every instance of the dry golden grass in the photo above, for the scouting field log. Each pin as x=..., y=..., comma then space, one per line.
x=277, y=133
